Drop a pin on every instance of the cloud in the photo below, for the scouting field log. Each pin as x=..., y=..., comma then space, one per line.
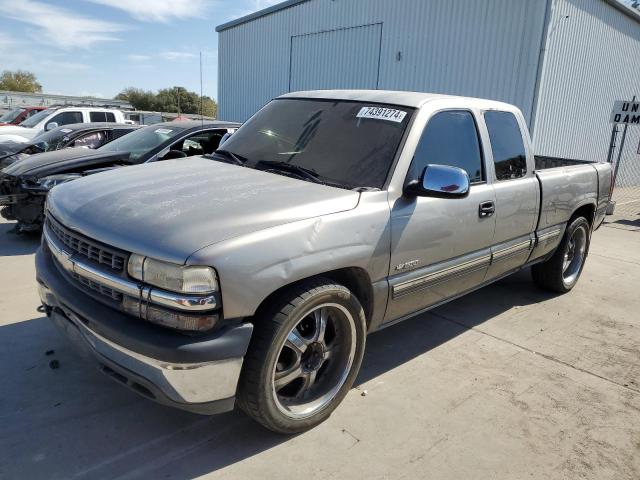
x=59, y=26
x=135, y=58
x=262, y=4
x=177, y=55
x=159, y=10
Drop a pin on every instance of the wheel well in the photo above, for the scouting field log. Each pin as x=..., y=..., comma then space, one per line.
x=356, y=279
x=587, y=211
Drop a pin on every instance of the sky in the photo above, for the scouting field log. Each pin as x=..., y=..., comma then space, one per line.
x=100, y=47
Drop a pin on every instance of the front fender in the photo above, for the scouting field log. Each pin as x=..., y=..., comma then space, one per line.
x=252, y=266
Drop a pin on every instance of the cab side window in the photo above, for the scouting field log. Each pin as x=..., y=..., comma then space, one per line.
x=91, y=140
x=509, y=155
x=201, y=143
x=65, y=118
x=450, y=138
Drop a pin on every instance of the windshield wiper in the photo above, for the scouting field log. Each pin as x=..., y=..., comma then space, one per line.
x=235, y=158
x=296, y=169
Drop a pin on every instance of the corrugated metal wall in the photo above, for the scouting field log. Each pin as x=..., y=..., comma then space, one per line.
x=592, y=58
x=343, y=58
x=482, y=48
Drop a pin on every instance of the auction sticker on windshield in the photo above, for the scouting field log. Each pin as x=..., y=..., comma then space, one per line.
x=381, y=113
x=163, y=131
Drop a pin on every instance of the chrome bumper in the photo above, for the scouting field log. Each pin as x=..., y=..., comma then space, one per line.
x=204, y=388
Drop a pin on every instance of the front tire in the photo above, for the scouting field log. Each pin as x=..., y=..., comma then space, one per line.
x=561, y=272
x=304, y=356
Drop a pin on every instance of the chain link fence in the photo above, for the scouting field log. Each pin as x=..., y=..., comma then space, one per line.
x=626, y=165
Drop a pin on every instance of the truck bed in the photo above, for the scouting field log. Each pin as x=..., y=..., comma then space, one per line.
x=567, y=185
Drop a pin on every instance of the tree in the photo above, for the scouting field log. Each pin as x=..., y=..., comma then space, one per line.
x=138, y=98
x=19, y=81
x=174, y=100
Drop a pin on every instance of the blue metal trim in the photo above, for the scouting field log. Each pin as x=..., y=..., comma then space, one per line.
x=261, y=13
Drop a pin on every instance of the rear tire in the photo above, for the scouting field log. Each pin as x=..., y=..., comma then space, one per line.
x=561, y=272
x=304, y=356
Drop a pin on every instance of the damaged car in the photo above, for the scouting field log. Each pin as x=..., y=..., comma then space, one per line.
x=24, y=185
x=87, y=135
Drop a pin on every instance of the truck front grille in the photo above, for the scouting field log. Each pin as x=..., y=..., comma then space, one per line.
x=97, y=287
x=94, y=251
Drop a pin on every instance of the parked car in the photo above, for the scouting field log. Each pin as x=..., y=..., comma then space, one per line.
x=17, y=115
x=87, y=135
x=25, y=184
x=56, y=117
x=253, y=275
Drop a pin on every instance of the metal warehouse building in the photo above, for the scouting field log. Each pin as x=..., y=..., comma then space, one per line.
x=563, y=62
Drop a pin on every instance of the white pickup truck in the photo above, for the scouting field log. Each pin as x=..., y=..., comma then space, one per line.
x=56, y=117
x=256, y=273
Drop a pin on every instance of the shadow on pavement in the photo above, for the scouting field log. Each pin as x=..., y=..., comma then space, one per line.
x=12, y=244
x=73, y=422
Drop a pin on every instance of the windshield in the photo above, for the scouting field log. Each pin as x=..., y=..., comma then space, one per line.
x=52, y=140
x=142, y=141
x=11, y=115
x=37, y=118
x=349, y=144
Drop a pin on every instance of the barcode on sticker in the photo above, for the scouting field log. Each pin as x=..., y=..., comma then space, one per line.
x=380, y=113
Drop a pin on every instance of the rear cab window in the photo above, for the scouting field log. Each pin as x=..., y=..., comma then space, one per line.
x=102, y=117
x=509, y=154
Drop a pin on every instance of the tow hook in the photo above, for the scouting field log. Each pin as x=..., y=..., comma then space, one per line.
x=46, y=309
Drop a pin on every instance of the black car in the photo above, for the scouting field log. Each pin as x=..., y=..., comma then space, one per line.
x=24, y=185
x=87, y=135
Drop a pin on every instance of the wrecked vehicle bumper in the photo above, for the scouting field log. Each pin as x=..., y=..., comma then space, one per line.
x=6, y=200
x=194, y=373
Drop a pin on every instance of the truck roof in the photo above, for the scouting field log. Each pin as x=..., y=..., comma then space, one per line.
x=407, y=99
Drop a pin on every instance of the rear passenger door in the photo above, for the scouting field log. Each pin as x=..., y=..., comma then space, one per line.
x=441, y=246
x=516, y=190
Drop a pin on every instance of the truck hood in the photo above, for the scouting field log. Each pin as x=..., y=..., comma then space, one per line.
x=68, y=160
x=169, y=210
x=27, y=133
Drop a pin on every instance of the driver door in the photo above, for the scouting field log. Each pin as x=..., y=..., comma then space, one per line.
x=441, y=247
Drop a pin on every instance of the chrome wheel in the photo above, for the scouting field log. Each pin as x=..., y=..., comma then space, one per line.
x=574, y=255
x=314, y=361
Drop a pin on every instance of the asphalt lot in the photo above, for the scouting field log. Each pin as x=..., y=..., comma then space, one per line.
x=507, y=383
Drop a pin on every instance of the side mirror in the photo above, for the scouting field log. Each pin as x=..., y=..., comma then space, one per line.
x=440, y=181
x=224, y=138
x=51, y=126
x=172, y=154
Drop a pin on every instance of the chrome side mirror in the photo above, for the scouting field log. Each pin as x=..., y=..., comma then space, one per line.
x=440, y=181
x=51, y=126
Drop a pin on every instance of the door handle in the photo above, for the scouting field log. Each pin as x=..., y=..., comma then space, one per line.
x=486, y=209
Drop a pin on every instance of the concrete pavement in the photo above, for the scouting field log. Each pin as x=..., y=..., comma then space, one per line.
x=507, y=383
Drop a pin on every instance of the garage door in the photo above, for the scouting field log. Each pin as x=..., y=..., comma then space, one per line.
x=344, y=58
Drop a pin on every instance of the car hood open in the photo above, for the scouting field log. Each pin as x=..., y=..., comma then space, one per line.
x=168, y=210
x=68, y=160
x=11, y=148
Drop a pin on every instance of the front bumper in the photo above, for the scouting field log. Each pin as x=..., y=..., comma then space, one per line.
x=12, y=199
x=197, y=374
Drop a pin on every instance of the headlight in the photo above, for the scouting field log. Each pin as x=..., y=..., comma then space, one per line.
x=177, y=278
x=47, y=183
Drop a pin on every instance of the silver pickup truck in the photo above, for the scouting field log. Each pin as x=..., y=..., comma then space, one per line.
x=253, y=275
